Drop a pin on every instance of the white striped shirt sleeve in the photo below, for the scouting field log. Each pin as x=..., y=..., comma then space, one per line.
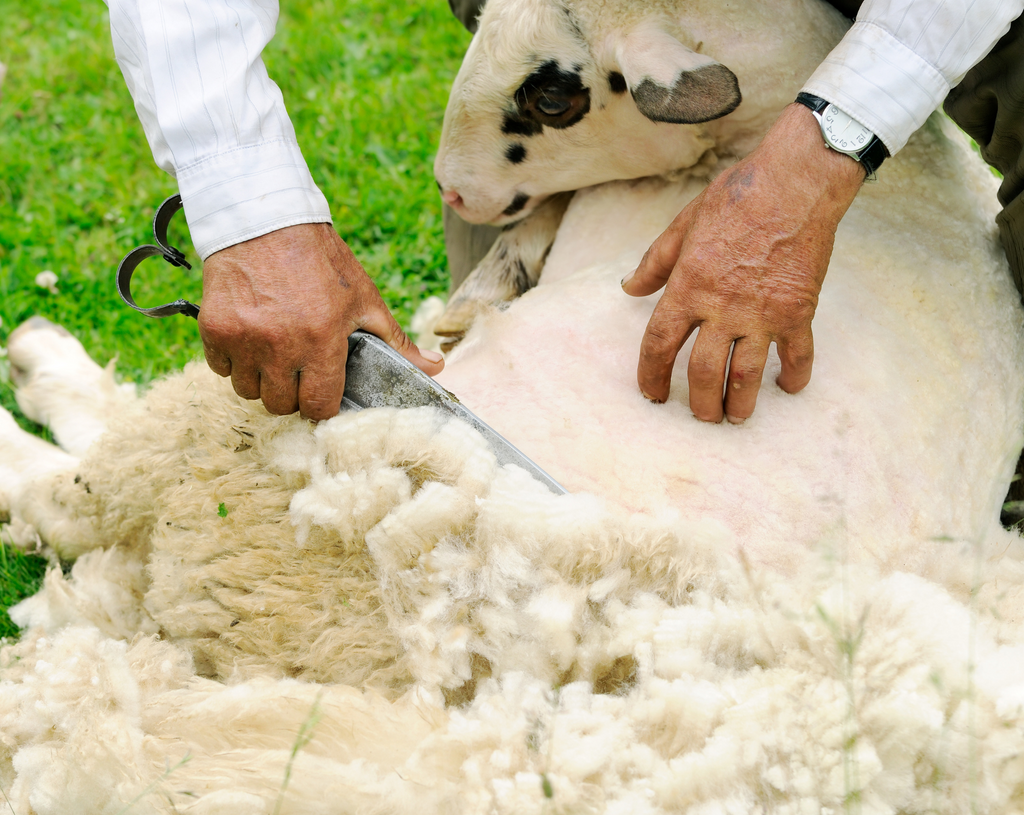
x=901, y=57
x=213, y=117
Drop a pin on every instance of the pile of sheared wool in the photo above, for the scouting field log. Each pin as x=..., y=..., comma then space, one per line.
x=370, y=616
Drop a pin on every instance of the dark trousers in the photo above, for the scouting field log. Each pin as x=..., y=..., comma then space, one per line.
x=988, y=105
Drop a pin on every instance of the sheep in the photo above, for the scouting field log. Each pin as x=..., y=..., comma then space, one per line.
x=815, y=607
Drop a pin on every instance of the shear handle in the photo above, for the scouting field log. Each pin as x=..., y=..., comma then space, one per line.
x=130, y=262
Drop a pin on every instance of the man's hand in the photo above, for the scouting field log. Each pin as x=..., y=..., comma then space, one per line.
x=744, y=263
x=276, y=314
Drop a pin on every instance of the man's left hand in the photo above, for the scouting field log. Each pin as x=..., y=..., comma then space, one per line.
x=742, y=265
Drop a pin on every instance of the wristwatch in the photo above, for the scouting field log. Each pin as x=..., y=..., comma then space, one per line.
x=846, y=135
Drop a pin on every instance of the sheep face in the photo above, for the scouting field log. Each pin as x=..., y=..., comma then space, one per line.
x=545, y=102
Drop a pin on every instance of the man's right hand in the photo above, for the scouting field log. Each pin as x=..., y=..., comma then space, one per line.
x=277, y=312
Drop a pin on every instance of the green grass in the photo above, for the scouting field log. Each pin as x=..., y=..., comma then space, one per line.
x=20, y=576
x=365, y=84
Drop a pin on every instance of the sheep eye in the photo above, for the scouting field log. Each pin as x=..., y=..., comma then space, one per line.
x=549, y=97
x=552, y=107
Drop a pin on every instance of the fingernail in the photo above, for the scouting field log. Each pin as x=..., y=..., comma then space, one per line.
x=649, y=398
x=627, y=278
x=431, y=356
x=734, y=419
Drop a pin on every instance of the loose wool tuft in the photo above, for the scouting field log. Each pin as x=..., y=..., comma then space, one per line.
x=374, y=610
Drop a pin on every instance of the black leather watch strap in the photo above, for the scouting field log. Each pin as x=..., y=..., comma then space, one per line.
x=815, y=103
x=871, y=156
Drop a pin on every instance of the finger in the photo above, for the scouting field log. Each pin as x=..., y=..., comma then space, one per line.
x=279, y=392
x=797, y=357
x=664, y=336
x=706, y=374
x=321, y=388
x=245, y=381
x=659, y=261
x=377, y=319
x=745, y=370
x=219, y=363
x=380, y=322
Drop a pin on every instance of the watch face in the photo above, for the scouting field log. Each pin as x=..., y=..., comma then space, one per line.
x=843, y=132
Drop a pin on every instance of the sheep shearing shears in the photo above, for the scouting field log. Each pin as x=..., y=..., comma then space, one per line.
x=376, y=375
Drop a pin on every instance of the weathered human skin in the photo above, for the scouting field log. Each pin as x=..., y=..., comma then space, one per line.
x=281, y=336
x=742, y=265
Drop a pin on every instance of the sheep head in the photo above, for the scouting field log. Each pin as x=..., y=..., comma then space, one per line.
x=539, y=106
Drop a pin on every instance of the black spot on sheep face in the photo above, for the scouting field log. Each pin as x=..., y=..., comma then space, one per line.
x=551, y=96
x=517, y=205
x=516, y=153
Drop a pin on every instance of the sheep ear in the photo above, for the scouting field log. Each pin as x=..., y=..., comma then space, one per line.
x=672, y=83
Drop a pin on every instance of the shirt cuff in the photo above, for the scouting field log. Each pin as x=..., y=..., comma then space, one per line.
x=247, y=192
x=880, y=82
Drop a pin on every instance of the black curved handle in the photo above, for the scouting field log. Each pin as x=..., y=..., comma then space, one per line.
x=126, y=268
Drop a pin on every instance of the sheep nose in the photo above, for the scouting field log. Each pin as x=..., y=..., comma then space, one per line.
x=451, y=198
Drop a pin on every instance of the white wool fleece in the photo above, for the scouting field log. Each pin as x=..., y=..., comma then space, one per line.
x=548, y=653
